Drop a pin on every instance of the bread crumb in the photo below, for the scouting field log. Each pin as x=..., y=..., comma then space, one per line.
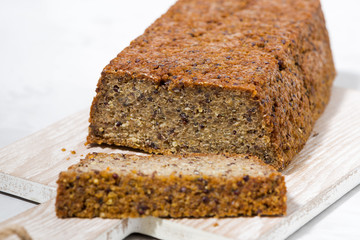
x=73, y=152
x=215, y=224
x=68, y=158
x=63, y=149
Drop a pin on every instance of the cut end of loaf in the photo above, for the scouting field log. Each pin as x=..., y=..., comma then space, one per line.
x=113, y=186
x=159, y=118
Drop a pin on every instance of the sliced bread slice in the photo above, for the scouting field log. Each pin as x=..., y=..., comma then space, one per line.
x=192, y=185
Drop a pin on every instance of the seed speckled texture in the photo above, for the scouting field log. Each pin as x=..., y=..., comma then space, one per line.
x=192, y=185
x=210, y=76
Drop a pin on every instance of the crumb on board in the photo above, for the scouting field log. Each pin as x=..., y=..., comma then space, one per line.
x=73, y=152
x=63, y=149
x=68, y=158
x=215, y=224
x=315, y=134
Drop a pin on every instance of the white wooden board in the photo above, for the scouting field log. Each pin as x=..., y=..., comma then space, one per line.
x=327, y=168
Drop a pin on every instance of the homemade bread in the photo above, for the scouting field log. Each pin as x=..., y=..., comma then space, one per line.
x=215, y=76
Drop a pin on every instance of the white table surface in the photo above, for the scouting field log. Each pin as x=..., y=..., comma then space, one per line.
x=52, y=53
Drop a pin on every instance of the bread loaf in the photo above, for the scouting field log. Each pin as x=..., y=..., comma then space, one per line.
x=235, y=76
x=195, y=185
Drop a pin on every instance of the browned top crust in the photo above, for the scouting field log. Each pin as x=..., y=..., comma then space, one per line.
x=278, y=50
x=227, y=44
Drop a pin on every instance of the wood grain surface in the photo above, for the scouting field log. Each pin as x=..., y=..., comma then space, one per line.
x=327, y=168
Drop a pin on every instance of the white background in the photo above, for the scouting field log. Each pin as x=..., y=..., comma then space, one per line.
x=52, y=53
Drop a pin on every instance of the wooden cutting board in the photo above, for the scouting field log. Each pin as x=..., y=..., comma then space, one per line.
x=327, y=168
